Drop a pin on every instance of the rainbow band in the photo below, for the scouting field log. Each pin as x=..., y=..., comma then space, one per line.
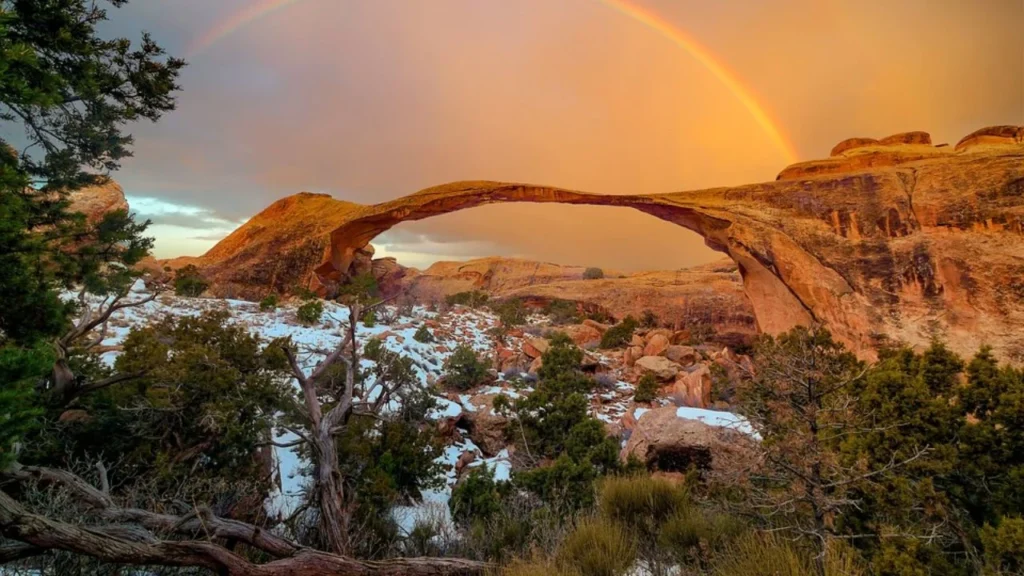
x=228, y=26
x=702, y=55
x=262, y=8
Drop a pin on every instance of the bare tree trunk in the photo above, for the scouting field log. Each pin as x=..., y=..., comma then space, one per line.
x=128, y=538
x=330, y=485
x=63, y=384
x=331, y=492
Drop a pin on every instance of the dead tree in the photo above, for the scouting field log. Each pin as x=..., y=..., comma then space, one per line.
x=201, y=539
x=334, y=505
x=140, y=537
x=87, y=333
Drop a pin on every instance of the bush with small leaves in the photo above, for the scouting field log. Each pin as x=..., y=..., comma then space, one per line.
x=772, y=555
x=619, y=334
x=593, y=274
x=477, y=497
x=646, y=389
x=189, y=282
x=370, y=319
x=268, y=303
x=310, y=312
x=694, y=535
x=630, y=500
x=464, y=369
x=562, y=312
x=423, y=335
x=511, y=312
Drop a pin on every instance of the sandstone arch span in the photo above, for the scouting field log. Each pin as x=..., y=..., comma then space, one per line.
x=703, y=218
x=891, y=240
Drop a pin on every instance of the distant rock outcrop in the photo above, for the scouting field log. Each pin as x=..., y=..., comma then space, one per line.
x=96, y=201
x=494, y=275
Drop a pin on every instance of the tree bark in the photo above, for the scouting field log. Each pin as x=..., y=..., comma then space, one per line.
x=122, y=543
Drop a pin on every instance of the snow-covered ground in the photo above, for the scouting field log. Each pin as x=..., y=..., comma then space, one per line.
x=468, y=326
x=463, y=326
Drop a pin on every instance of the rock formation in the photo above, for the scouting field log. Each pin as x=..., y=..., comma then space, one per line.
x=888, y=240
x=710, y=295
x=96, y=201
x=494, y=275
x=277, y=249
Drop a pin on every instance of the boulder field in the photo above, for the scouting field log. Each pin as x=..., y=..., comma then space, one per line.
x=889, y=240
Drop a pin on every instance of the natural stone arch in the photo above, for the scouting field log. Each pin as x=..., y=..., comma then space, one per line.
x=702, y=212
x=881, y=243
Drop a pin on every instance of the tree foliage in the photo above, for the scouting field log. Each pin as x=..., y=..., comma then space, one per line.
x=464, y=369
x=70, y=94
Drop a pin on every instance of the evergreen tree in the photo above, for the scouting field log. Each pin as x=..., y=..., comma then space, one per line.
x=71, y=94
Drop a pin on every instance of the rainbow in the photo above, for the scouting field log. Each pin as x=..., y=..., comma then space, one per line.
x=234, y=22
x=260, y=8
x=706, y=59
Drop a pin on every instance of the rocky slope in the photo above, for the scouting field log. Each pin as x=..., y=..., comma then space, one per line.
x=493, y=275
x=275, y=250
x=711, y=294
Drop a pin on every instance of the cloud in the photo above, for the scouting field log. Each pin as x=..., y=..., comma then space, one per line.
x=373, y=100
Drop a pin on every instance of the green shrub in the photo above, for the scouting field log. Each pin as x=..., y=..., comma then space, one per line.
x=370, y=319
x=562, y=312
x=693, y=534
x=464, y=369
x=310, y=312
x=597, y=548
x=1004, y=545
x=511, y=312
x=634, y=500
x=189, y=282
x=763, y=555
x=770, y=555
x=423, y=335
x=646, y=389
x=477, y=498
x=268, y=303
x=620, y=334
x=472, y=299
x=593, y=274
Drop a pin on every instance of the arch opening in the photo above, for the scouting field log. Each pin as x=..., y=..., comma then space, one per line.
x=775, y=306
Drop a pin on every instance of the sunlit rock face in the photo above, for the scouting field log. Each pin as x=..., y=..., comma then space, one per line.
x=890, y=240
x=96, y=201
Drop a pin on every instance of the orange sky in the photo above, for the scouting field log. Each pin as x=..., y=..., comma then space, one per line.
x=372, y=99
